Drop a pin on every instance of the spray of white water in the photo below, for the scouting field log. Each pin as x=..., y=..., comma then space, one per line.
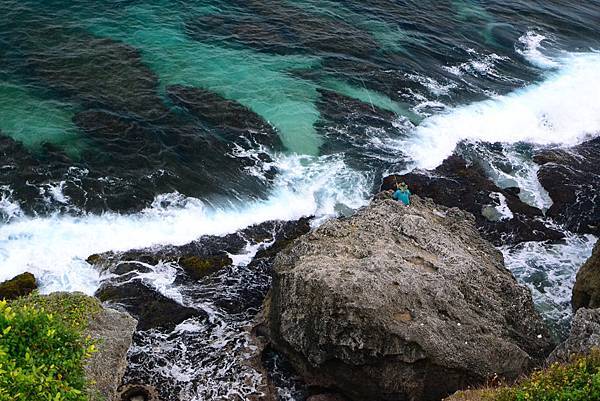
x=55, y=248
x=564, y=109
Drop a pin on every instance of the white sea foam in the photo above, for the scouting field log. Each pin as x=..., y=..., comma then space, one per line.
x=563, y=109
x=54, y=248
x=532, y=50
x=504, y=212
x=9, y=208
x=479, y=65
x=549, y=271
x=524, y=176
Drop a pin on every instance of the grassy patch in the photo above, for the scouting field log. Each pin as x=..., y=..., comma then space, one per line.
x=72, y=308
x=43, y=349
x=575, y=381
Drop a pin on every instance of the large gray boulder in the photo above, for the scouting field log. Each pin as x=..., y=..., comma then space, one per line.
x=584, y=336
x=401, y=303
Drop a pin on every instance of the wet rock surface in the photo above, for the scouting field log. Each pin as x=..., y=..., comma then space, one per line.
x=584, y=336
x=499, y=213
x=572, y=178
x=190, y=299
x=586, y=291
x=401, y=303
x=150, y=308
x=18, y=286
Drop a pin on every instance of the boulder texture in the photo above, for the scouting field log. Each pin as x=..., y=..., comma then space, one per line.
x=499, y=213
x=401, y=303
x=18, y=286
x=586, y=291
x=572, y=179
x=584, y=336
x=113, y=330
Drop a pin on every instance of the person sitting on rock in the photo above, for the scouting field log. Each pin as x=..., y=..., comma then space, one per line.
x=402, y=194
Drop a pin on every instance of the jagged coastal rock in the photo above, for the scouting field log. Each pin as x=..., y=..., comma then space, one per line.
x=499, y=213
x=584, y=336
x=401, y=303
x=586, y=291
x=572, y=179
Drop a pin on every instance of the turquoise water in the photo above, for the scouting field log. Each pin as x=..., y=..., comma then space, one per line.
x=260, y=82
x=34, y=121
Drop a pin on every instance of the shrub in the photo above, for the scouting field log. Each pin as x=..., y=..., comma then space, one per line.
x=41, y=356
x=576, y=381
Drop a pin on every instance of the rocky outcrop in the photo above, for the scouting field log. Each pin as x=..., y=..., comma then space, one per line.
x=584, y=336
x=150, y=308
x=113, y=331
x=401, y=303
x=572, y=179
x=499, y=213
x=207, y=256
x=586, y=291
x=18, y=286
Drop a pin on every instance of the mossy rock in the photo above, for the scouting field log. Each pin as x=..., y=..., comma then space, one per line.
x=94, y=259
x=19, y=286
x=75, y=309
x=198, y=267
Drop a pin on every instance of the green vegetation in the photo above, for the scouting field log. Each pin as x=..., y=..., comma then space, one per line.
x=43, y=349
x=575, y=381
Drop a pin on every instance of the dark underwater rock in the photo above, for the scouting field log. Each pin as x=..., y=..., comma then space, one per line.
x=97, y=72
x=586, y=291
x=138, y=161
x=285, y=28
x=401, y=303
x=232, y=118
x=351, y=127
x=572, y=178
x=18, y=286
x=456, y=184
x=350, y=112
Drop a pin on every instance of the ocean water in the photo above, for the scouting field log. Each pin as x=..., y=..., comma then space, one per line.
x=132, y=123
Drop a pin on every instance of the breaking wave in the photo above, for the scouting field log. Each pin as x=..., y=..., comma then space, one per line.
x=54, y=248
x=564, y=109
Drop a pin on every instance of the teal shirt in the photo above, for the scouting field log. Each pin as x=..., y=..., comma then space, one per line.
x=402, y=196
